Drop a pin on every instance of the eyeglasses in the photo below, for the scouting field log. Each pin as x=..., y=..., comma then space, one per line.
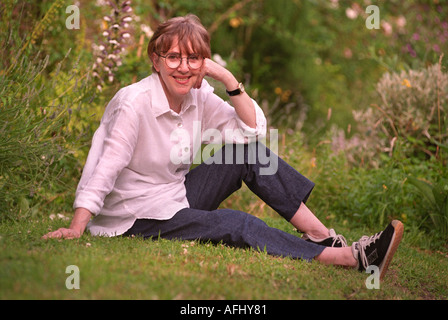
x=174, y=60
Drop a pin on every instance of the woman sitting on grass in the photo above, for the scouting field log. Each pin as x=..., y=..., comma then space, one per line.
x=137, y=178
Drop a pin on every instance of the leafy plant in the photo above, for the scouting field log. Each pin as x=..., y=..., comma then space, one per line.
x=412, y=115
x=437, y=196
x=116, y=34
x=37, y=106
x=414, y=106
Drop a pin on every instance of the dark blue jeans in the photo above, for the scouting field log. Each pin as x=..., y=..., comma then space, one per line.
x=209, y=184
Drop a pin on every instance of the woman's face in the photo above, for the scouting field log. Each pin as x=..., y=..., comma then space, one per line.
x=176, y=82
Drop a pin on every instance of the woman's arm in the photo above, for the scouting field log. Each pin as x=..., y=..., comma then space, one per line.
x=76, y=229
x=242, y=103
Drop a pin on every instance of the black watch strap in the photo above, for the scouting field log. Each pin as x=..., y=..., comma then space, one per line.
x=237, y=91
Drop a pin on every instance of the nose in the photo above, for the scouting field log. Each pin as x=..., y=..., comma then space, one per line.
x=183, y=67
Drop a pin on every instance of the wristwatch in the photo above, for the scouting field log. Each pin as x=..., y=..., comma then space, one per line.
x=236, y=92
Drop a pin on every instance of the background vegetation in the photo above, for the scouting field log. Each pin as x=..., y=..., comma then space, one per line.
x=362, y=112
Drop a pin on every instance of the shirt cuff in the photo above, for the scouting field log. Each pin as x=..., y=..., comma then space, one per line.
x=259, y=131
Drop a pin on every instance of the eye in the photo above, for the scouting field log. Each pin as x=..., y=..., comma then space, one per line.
x=194, y=57
x=173, y=57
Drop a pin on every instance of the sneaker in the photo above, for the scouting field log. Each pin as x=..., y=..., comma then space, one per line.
x=334, y=240
x=378, y=249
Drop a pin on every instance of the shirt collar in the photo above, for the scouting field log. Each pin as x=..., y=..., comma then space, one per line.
x=159, y=101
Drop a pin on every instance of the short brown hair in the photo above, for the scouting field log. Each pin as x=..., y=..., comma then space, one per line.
x=187, y=30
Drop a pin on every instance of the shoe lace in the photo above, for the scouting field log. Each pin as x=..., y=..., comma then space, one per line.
x=363, y=243
x=338, y=238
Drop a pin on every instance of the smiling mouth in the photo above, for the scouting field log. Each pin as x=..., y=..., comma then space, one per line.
x=182, y=80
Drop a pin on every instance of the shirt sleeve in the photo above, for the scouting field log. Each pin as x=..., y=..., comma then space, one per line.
x=221, y=116
x=112, y=149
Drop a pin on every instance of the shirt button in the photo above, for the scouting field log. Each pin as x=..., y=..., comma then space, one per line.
x=180, y=125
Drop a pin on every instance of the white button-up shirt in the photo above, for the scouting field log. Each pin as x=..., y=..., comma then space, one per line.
x=142, y=151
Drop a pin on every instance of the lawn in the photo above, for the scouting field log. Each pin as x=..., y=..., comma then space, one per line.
x=131, y=268
x=361, y=112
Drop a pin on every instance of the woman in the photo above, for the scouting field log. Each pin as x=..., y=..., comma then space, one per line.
x=137, y=181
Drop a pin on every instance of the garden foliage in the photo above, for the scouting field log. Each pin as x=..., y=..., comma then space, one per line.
x=363, y=111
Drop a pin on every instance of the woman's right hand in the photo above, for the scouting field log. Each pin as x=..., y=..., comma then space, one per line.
x=80, y=220
x=62, y=233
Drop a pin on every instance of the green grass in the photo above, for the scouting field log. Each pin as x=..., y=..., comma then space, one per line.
x=131, y=268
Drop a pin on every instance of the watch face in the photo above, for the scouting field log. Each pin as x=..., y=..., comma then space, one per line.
x=241, y=87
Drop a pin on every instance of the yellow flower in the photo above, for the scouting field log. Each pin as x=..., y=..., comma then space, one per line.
x=278, y=91
x=406, y=83
x=285, y=96
x=235, y=22
x=104, y=24
x=404, y=217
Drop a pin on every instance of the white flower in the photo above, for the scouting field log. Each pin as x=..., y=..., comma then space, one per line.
x=401, y=22
x=334, y=4
x=387, y=27
x=100, y=3
x=219, y=60
x=147, y=30
x=351, y=14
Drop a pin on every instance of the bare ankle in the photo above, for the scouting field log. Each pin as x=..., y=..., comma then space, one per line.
x=338, y=256
x=318, y=234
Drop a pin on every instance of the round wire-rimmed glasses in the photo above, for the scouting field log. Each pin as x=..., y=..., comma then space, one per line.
x=174, y=60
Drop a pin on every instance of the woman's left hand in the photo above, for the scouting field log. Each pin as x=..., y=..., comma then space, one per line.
x=242, y=103
x=214, y=70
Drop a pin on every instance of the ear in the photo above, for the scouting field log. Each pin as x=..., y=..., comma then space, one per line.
x=155, y=61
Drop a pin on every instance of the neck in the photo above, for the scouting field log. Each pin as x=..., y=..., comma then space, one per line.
x=174, y=102
x=175, y=109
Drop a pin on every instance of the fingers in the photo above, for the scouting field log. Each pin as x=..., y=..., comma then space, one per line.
x=53, y=235
x=200, y=77
x=61, y=233
x=215, y=71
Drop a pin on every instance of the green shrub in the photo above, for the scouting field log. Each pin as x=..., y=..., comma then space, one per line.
x=355, y=195
x=436, y=196
x=414, y=106
x=35, y=135
x=40, y=96
x=413, y=114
